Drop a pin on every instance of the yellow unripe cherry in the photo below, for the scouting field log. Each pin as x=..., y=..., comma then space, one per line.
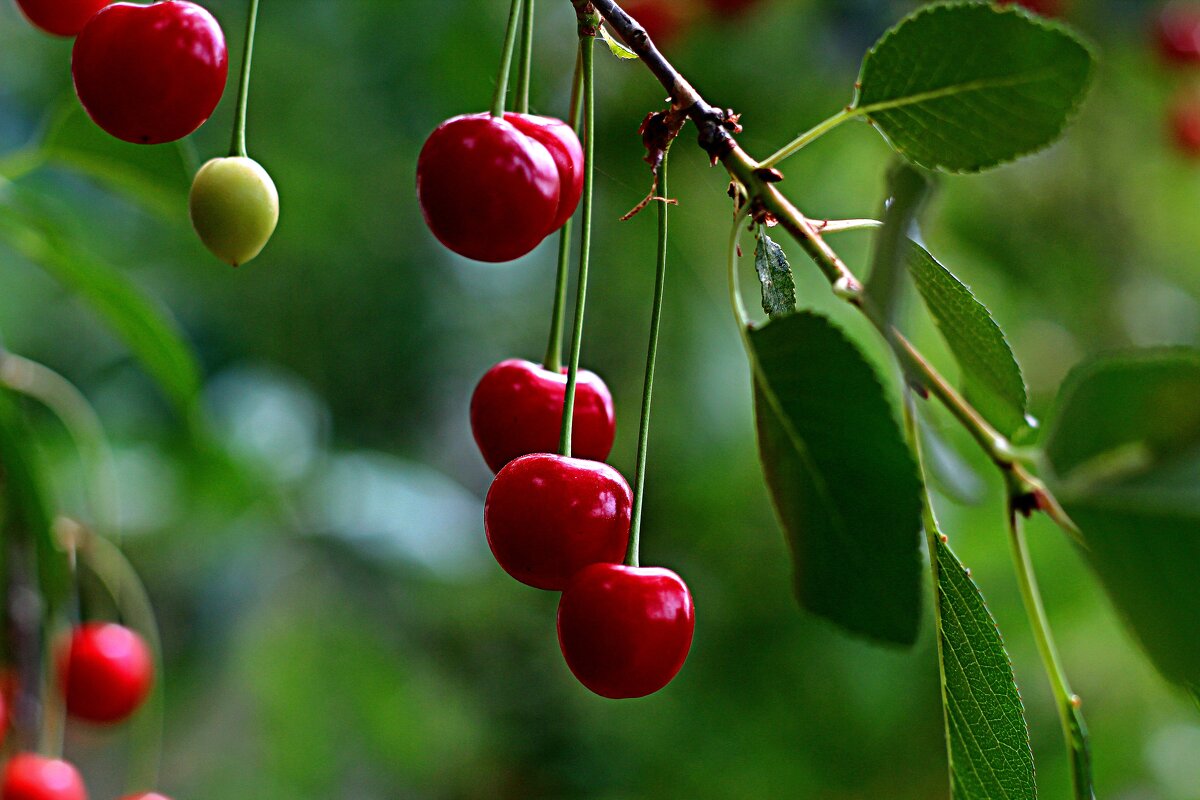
x=234, y=207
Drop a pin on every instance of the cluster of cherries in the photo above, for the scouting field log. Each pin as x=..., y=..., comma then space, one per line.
x=151, y=74
x=105, y=672
x=491, y=188
x=1178, y=35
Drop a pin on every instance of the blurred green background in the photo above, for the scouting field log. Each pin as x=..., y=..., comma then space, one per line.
x=334, y=626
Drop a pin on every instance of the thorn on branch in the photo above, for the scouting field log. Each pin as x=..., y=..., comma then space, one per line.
x=768, y=175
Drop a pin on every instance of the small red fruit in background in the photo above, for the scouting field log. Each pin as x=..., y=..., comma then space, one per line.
x=625, y=631
x=487, y=190
x=150, y=74
x=1185, y=125
x=664, y=20
x=563, y=145
x=731, y=8
x=517, y=409
x=60, y=17
x=1178, y=33
x=32, y=777
x=106, y=672
x=548, y=516
x=1046, y=8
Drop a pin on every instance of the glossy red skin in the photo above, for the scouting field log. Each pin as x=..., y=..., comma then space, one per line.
x=106, y=672
x=60, y=17
x=150, y=74
x=1178, y=33
x=31, y=777
x=625, y=631
x=517, y=409
x=548, y=516
x=487, y=191
x=1185, y=126
x=563, y=145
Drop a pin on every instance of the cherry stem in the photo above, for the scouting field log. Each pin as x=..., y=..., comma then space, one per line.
x=525, y=65
x=238, y=146
x=553, y=359
x=587, y=59
x=510, y=42
x=660, y=281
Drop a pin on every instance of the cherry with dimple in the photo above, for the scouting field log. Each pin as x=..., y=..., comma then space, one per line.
x=560, y=141
x=150, y=74
x=60, y=17
x=29, y=776
x=625, y=631
x=487, y=190
x=517, y=409
x=548, y=516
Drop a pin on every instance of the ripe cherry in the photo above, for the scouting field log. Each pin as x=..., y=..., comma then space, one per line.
x=625, y=631
x=106, y=671
x=487, y=190
x=517, y=409
x=60, y=17
x=1178, y=33
x=150, y=74
x=32, y=777
x=548, y=516
x=1185, y=125
x=234, y=207
x=563, y=145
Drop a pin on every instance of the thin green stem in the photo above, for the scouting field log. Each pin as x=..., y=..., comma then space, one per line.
x=809, y=136
x=1066, y=701
x=660, y=281
x=525, y=66
x=587, y=56
x=735, y=291
x=553, y=359
x=510, y=42
x=238, y=146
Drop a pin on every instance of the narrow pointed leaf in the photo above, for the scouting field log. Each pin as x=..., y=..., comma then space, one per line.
x=991, y=376
x=1124, y=446
x=774, y=276
x=962, y=87
x=843, y=482
x=987, y=735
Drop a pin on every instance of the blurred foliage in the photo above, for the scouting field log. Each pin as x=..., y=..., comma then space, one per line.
x=333, y=624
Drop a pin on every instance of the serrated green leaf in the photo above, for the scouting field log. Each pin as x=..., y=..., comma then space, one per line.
x=987, y=735
x=616, y=48
x=843, y=483
x=158, y=176
x=961, y=87
x=1124, y=448
x=991, y=377
x=145, y=327
x=907, y=191
x=774, y=276
x=24, y=512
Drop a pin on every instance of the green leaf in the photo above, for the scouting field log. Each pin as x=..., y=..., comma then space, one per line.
x=144, y=325
x=24, y=512
x=991, y=377
x=775, y=276
x=962, y=87
x=986, y=732
x=158, y=176
x=616, y=48
x=843, y=483
x=1124, y=447
x=907, y=191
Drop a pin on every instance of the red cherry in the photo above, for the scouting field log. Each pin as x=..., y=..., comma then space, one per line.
x=150, y=74
x=548, y=516
x=1185, y=125
x=1178, y=33
x=60, y=17
x=1047, y=8
x=106, y=672
x=663, y=19
x=488, y=191
x=564, y=147
x=32, y=777
x=517, y=409
x=625, y=631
